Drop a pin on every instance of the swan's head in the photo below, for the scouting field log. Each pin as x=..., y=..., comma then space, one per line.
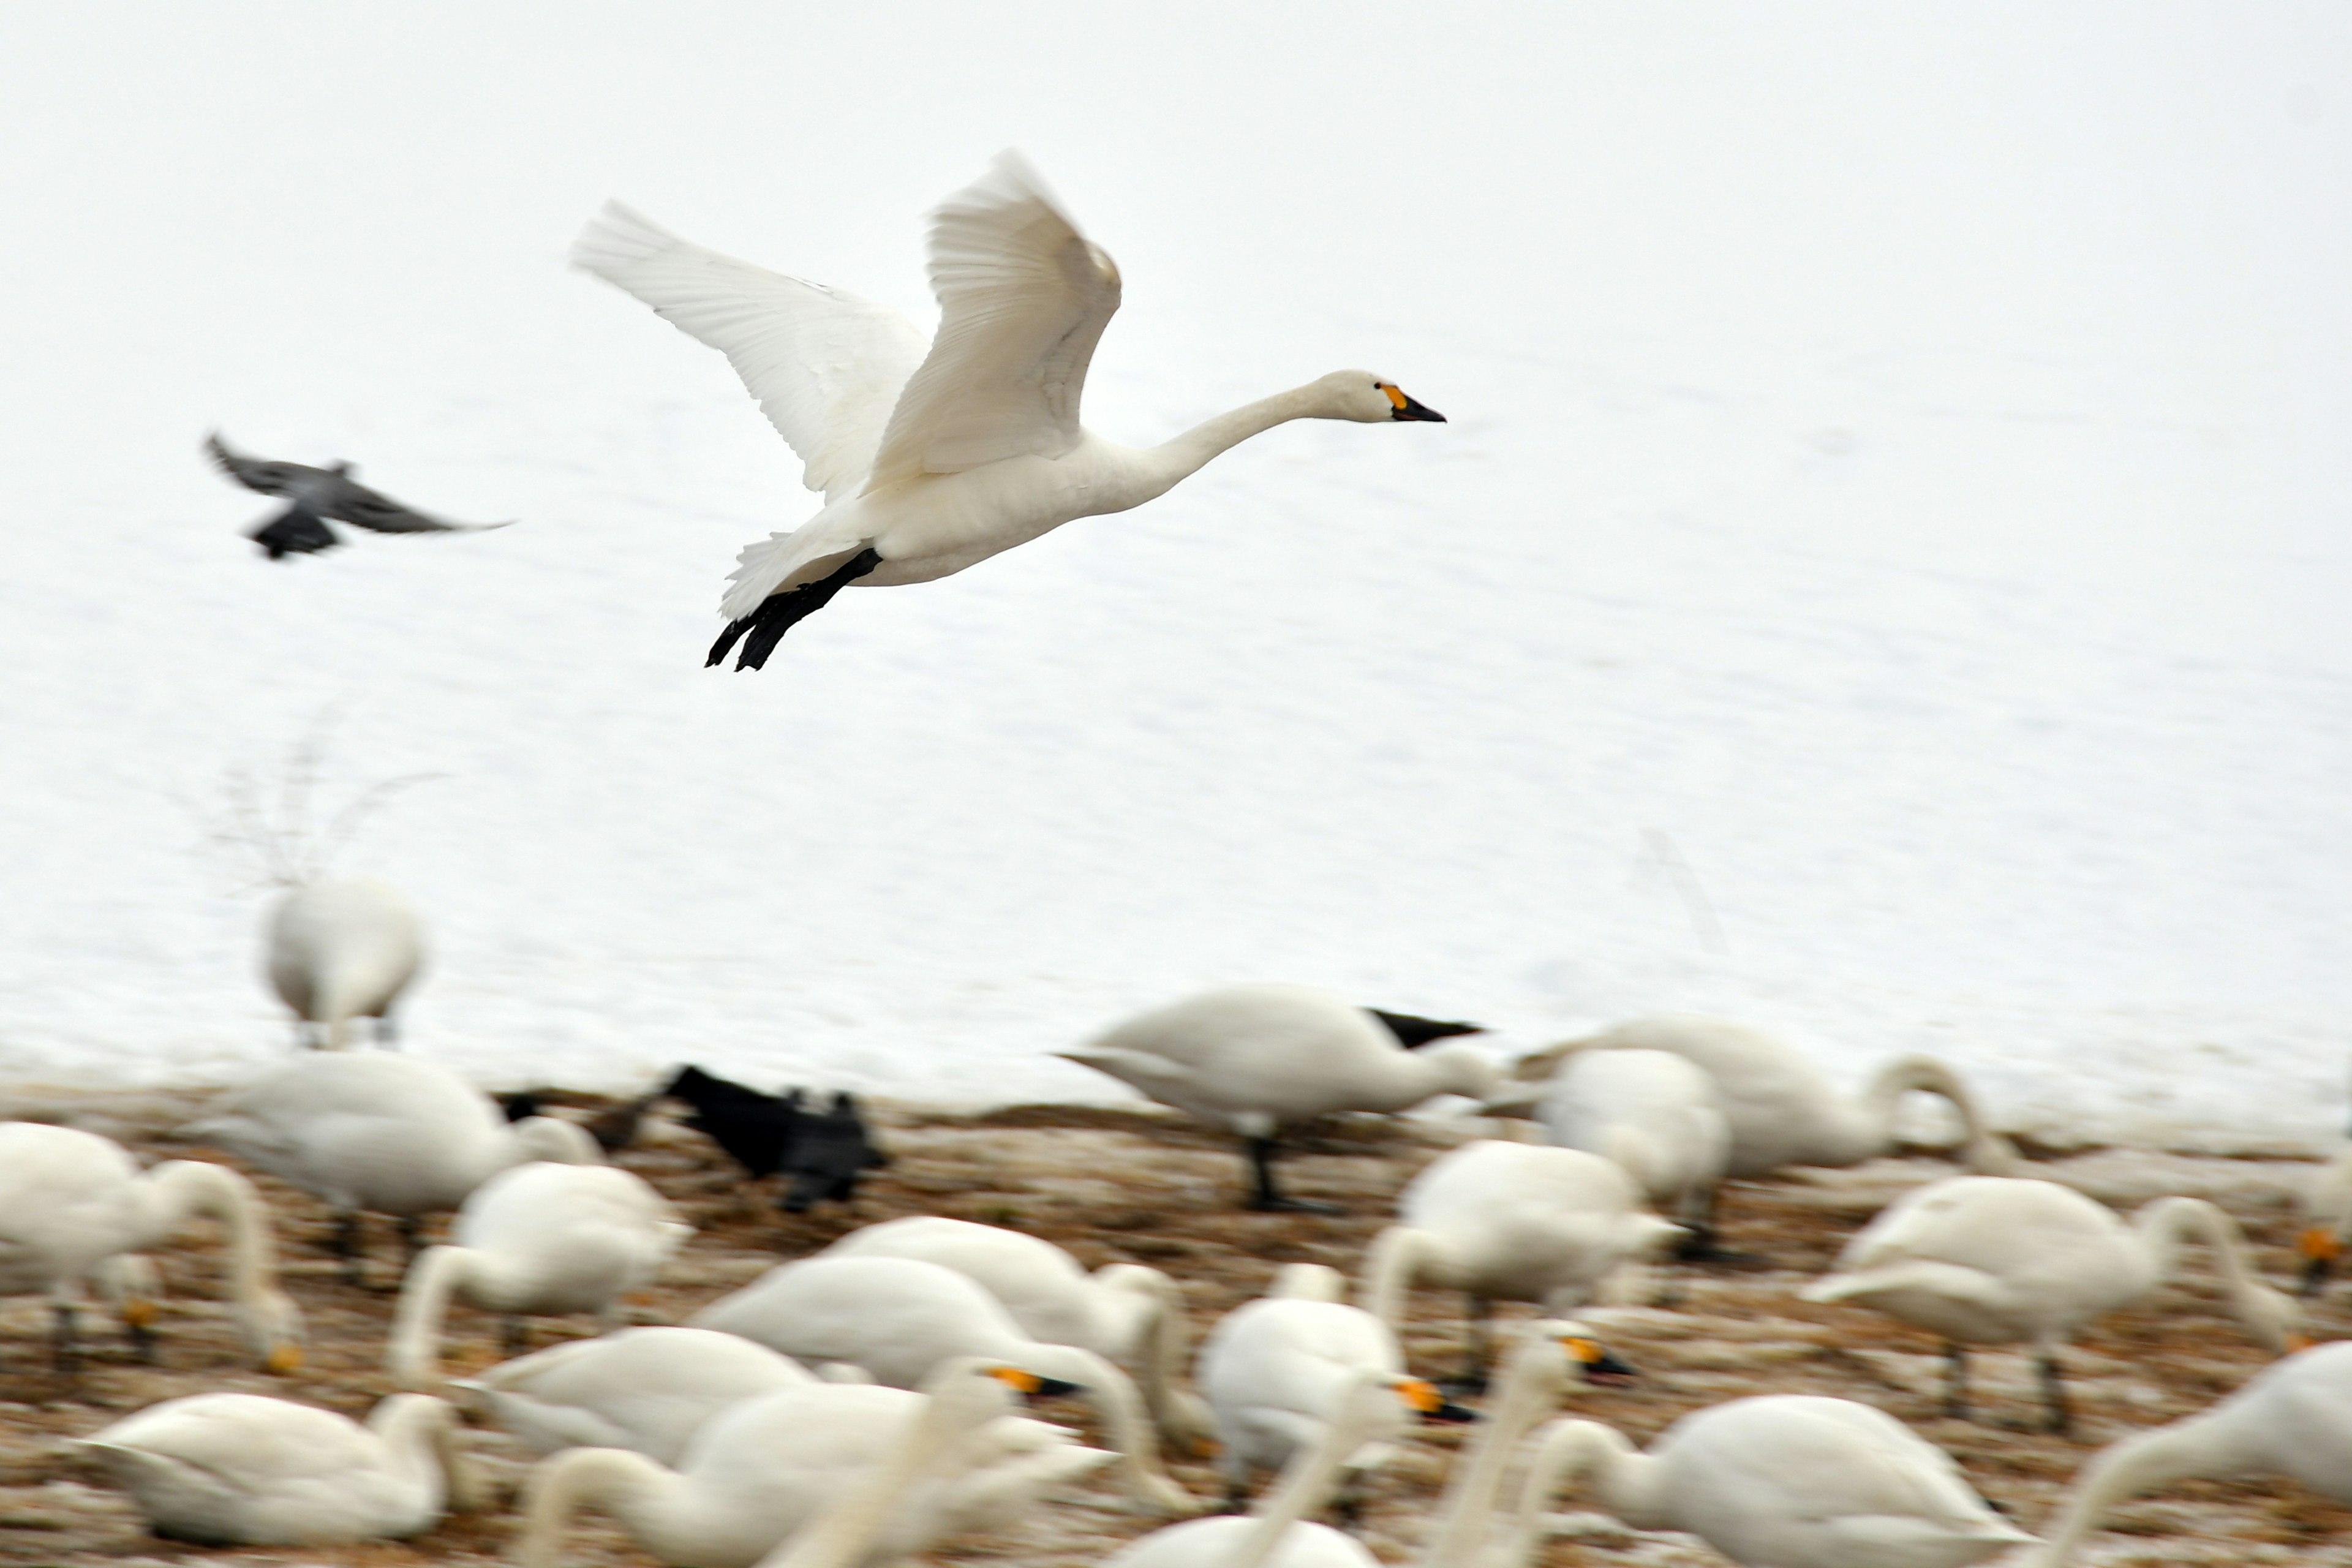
x=1370, y=399
x=271, y=1327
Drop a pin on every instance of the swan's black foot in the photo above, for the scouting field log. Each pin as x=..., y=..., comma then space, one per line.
x=1276, y=1203
x=779, y=612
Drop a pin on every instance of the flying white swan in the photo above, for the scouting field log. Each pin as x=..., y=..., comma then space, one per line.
x=1656, y=1113
x=1782, y=1480
x=540, y=1239
x=650, y=1390
x=1123, y=1311
x=343, y=950
x=899, y=1318
x=1996, y=1260
x=2294, y=1418
x=1277, y=1370
x=225, y=1469
x=74, y=1204
x=1509, y=1222
x=930, y=462
x=1782, y=1112
x=387, y=1134
x=762, y=1467
x=2328, y=1222
x=1253, y=1058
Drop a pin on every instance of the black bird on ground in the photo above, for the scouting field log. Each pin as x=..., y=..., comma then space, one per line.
x=820, y=1153
x=319, y=496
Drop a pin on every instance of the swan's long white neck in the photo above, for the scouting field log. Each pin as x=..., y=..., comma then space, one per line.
x=1872, y=1127
x=1624, y=1481
x=631, y=1487
x=1307, y=1482
x=178, y=1188
x=420, y=1434
x=411, y=1355
x=2164, y=1225
x=1533, y=1383
x=1398, y=1255
x=2205, y=1445
x=1113, y=1395
x=1175, y=461
x=1154, y=1332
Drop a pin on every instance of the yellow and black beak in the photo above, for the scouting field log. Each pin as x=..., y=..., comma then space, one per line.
x=1429, y=1405
x=1406, y=408
x=1030, y=1385
x=1600, y=1365
x=2320, y=1250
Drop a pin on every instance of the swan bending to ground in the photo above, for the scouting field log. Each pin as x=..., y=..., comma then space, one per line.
x=1123, y=1311
x=899, y=1318
x=1656, y=1113
x=2294, y=1418
x=343, y=950
x=74, y=1204
x=930, y=462
x=763, y=1467
x=1781, y=1480
x=649, y=1390
x=1251, y=1058
x=227, y=1470
x=540, y=1239
x=1994, y=1260
x=1276, y=1372
x=1782, y=1112
x=1510, y=1221
x=388, y=1134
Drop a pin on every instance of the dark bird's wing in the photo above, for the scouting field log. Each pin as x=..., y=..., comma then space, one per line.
x=294, y=531
x=348, y=501
x=261, y=474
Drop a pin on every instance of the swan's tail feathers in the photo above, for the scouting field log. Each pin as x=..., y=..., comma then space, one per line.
x=617, y=238
x=779, y=613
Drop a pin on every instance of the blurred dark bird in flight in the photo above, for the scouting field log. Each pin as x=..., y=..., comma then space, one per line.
x=319, y=496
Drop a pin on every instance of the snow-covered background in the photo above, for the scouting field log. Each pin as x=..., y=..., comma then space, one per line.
x=1895, y=506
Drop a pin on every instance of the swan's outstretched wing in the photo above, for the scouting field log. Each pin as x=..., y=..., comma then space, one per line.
x=1023, y=298
x=826, y=366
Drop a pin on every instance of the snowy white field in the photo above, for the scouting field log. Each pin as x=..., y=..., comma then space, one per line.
x=1895, y=460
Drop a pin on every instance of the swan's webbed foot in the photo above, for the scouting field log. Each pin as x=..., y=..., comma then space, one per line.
x=779, y=612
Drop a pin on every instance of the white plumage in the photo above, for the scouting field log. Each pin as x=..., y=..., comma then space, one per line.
x=1656, y=1114
x=646, y=1389
x=342, y=949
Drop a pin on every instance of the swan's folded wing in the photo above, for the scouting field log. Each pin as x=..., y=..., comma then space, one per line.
x=825, y=366
x=1023, y=298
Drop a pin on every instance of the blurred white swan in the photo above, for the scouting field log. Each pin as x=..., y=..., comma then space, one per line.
x=649, y=1390
x=930, y=462
x=342, y=949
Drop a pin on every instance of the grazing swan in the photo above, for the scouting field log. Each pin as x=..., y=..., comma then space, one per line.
x=1781, y=1110
x=930, y=463
x=389, y=1134
x=646, y=1389
x=1509, y=1222
x=764, y=1467
x=1278, y=1370
x=228, y=1469
x=1781, y=1480
x=540, y=1238
x=1656, y=1114
x=2294, y=1418
x=2327, y=1222
x=1252, y=1057
x=1124, y=1312
x=343, y=950
x=899, y=1318
x=73, y=1205
x=1996, y=1260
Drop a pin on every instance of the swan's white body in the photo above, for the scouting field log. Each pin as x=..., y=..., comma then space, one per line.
x=2294, y=1418
x=1123, y=1311
x=241, y=1469
x=936, y=460
x=1511, y=1222
x=73, y=1203
x=1656, y=1113
x=391, y=1134
x=343, y=950
x=1990, y=1260
x=765, y=1467
x=2327, y=1221
x=900, y=1318
x=649, y=1390
x=1780, y=1481
x=1781, y=1110
x=540, y=1238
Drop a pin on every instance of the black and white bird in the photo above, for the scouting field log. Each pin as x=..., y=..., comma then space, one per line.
x=318, y=495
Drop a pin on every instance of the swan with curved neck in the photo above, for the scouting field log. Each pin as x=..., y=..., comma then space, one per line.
x=1124, y=1311
x=899, y=1318
x=647, y=1389
x=74, y=1207
x=1990, y=1260
x=2294, y=1418
x=1509, y=1222
x=931, y=461
x=1791, y=1481
x=540, y=1238
x=1253, y=1058
x=242, y=1470
x=768, y=1466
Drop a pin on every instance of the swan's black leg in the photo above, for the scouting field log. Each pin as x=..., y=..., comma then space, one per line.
x=64, y=1346
x=1477, y=1351
x=779, y=612
x=2053, y=1394
x=351, y=1245
x=514, y=1335
x=1265, y=1196
x=412, y=1235
x=1956, y=1379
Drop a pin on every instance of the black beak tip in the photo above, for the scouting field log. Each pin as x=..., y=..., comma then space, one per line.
x=1055, y=1388
x=1451, y=1412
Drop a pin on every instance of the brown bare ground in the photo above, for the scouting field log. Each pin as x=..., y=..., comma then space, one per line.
x=1115, y=1185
